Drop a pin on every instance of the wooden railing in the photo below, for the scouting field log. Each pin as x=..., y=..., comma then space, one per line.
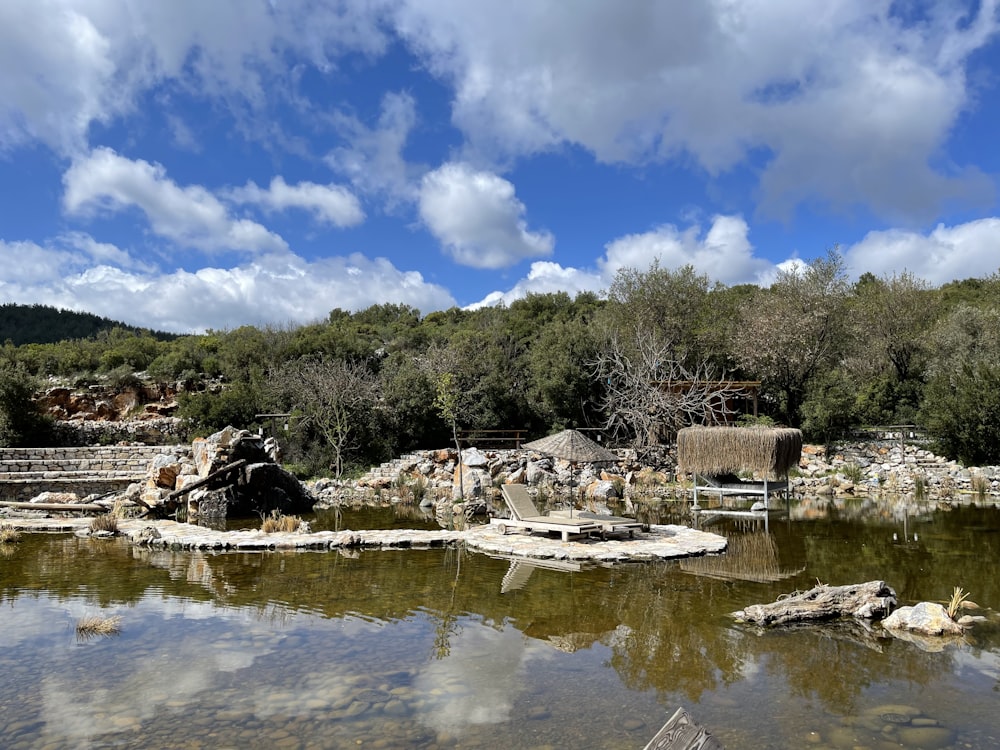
x=492, y=438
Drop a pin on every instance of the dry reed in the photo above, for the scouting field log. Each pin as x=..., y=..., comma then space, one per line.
x=104, y=522
x=97, y=626
x=8, y=534
x=278, y=523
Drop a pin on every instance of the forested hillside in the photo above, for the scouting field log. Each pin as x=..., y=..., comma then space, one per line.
x=41, y=324
x=664, y=348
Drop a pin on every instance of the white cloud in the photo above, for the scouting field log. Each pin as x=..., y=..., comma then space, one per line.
x=330, y=204
x=374, y=160
x=851, y=101
x=545, y=277
x=723, y=253
x=70, y=63
x=274, y=288
x=959, y=252
x=477, y=218
x=190, y=216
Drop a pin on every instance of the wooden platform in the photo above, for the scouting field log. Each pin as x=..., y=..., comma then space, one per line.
x=681, y=733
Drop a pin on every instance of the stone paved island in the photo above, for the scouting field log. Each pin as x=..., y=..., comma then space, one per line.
x=660, y=542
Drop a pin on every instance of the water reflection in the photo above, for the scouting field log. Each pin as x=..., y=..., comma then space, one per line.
x=449, y=648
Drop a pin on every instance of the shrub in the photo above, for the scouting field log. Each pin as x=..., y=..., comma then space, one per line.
x=21, y=421
x=853, y=472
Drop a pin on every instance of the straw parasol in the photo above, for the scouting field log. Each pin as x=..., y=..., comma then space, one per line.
x=572, y=446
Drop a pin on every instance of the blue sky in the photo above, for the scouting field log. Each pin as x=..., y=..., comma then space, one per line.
x=191, y=164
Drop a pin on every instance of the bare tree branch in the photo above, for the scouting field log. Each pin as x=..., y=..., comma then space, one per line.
x=649, y=395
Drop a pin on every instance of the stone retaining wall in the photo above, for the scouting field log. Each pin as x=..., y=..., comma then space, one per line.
x=27, y=472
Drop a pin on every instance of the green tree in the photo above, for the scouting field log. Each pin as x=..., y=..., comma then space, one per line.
x=961, y=406
x=334, y=398
x=797, y=328
x=21, y=421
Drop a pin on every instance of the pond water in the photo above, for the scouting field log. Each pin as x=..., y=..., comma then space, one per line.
x=455, y=649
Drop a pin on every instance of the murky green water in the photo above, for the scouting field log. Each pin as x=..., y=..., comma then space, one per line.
x=455, y=649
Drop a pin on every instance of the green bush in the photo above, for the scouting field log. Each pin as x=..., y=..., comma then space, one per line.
x=961, y=412
x=21, y=421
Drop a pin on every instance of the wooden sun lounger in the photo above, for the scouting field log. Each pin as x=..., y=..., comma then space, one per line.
x=681, y=733
x=729, y=485
x=524, y=515
x=609, y=524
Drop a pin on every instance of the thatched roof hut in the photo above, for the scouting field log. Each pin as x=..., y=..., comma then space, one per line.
x=766, y=451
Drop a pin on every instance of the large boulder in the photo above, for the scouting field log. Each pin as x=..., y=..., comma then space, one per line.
x=475, y=483
x=925, y=618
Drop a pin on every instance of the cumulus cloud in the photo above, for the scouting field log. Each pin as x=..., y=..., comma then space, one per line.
x=191, y=216
x=477, y=217
x=68, y=65
x=958, y=252
x=330, y=204
x=274, y=288
x=849, y=105
x=723, y=252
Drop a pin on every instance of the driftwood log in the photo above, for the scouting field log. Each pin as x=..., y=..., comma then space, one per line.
x=871, y=600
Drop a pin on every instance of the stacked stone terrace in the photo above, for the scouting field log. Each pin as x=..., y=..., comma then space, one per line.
x=27, y=472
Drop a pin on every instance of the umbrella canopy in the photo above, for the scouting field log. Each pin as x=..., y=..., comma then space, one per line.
x=571, y=445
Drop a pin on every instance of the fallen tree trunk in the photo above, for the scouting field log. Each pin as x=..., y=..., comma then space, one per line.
x=202, y=482
x=870, y=600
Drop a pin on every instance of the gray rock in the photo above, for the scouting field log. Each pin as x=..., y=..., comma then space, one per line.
x=925, y=618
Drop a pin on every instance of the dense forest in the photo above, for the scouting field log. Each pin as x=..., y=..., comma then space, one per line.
x=40, y=324
x=662, y=349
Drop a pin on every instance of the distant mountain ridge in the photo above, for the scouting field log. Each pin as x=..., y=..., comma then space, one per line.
x=41, y=324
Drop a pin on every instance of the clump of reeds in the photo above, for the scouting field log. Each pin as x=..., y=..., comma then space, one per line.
x=8, y=534
x=104, y=522
x=957, y=597
x=853, y=472
x=980, y=485
x=277, y=522
x=98, y=626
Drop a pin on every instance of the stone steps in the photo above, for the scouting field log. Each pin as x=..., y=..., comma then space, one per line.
x=389, y=469
x=83, y=470
x=25, y=477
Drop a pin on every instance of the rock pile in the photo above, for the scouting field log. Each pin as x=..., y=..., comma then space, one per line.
x=232, y=473
x=888, y=467
x=850, y=469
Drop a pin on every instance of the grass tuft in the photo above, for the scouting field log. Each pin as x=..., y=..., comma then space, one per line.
x=8, y=534
x=957, y=597
x=279, y=523
x=980, y=485
x=104, y=522
x=97, y=626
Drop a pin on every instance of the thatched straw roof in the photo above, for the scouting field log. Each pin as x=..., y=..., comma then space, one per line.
x=729, y=450
x=749, y=557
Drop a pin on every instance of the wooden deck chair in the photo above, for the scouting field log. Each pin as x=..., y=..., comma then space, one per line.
x=524, y=515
